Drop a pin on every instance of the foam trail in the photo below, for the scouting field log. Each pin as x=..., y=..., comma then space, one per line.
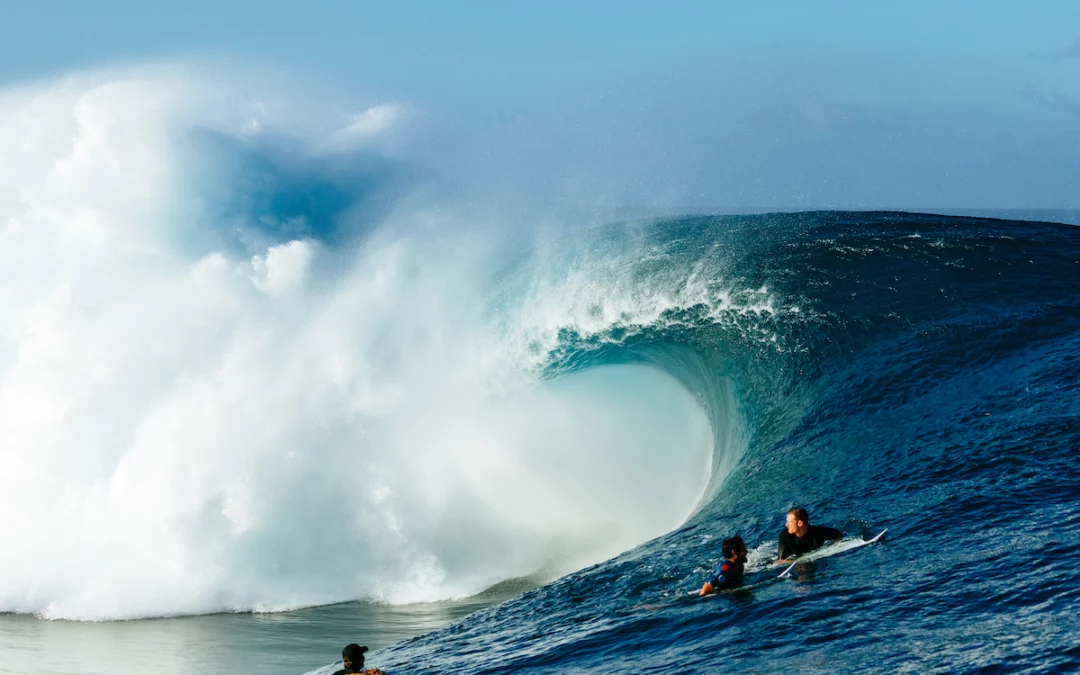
x=196, y=421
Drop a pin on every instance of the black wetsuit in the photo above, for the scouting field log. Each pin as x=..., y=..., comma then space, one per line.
x=816, y=536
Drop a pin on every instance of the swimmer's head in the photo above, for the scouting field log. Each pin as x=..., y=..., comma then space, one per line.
x=353, y=656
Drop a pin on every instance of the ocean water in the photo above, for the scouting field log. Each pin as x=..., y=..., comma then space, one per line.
x=244, y=425
x=925, y=384
x=898, y=370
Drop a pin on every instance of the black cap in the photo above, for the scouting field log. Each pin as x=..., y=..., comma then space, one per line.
x=353, y=652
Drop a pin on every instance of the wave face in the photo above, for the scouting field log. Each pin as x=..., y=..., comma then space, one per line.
x=240, y=372
x=921, y=378
x=224, y=387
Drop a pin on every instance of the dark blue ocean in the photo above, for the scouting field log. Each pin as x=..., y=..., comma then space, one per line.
x=927, y=384
x=894, y=370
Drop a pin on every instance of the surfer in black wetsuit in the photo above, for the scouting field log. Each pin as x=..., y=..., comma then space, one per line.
x=799, y=536
x=353, y=661
x=730, y=572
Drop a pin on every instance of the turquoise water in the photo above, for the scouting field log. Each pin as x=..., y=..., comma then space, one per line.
x=285, y=643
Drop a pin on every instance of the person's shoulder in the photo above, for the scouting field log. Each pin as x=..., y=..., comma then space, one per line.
x=340, y=672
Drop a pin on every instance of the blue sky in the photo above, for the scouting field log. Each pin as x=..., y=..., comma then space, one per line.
x=424, y=49
x=813, y=104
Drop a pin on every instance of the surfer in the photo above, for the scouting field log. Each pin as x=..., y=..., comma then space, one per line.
x=799, y=536
x=353, y=661
x=730, y=572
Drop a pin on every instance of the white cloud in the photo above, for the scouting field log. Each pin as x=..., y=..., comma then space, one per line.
x=373, y=121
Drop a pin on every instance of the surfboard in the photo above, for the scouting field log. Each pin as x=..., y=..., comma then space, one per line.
x=833, y=549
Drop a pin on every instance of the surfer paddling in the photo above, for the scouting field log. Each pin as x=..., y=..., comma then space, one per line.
x=799, y=536
x=729, y=573
x=353, y=661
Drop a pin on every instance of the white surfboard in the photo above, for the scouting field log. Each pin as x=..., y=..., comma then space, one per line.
x=832, y=549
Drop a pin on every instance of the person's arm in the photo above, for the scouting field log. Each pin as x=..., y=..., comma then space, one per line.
x=715, y=581
x=782, y=554
x=833, y=534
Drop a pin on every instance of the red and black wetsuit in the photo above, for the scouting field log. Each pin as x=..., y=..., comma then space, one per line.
x=727, y=575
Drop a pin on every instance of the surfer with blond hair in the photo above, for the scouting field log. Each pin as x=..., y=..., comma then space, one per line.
x=799, y=536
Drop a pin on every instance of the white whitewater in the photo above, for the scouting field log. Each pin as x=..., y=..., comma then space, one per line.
x=195, y=420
